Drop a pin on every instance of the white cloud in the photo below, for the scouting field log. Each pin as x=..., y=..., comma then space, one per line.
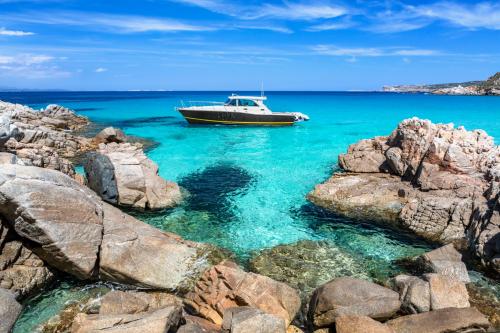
x=484, y=15
x=331, y=26
x=333, y=50
x=286, y=11
x=30, y=66
x=106, y=22
x=301, y=11
x=101, y=70
x=17, y=33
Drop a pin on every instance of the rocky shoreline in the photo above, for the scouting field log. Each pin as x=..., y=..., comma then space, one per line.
x=54, y=221
x=490, y=87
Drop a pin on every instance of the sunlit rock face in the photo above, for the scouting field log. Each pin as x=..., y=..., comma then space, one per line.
x=440, y=182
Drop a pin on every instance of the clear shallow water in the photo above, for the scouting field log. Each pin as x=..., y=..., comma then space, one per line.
x=248, y=184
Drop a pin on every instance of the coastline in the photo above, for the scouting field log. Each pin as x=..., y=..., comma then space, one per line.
x=287, y=319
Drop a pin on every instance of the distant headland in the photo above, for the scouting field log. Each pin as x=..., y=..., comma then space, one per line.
x=489, y=87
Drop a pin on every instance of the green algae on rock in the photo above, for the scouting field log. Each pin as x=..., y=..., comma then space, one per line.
x=307, y=264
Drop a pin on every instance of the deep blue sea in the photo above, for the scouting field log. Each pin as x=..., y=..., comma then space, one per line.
x=248, y=185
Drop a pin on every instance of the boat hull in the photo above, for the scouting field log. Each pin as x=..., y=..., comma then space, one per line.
x=235, y=118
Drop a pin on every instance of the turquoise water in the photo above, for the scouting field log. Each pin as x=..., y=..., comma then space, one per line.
x=248, y=184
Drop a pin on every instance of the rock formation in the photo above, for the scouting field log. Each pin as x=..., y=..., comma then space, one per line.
x=43, y=138
x=122, y=174
x=440, y=182
x=96, y=239
x=9, y=310
x=136, y=253
x=110, y=134
x=226, y=286
x=441, y=321
x=21, y=271
x=347, y=296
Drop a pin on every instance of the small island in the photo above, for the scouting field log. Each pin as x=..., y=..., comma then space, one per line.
x=489, y=87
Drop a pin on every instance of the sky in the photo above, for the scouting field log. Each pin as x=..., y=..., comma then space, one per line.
x=237, y=45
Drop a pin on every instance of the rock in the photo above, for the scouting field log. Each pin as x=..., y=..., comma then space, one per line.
x=135, y=253
x=101, y=177
x=158, y=321
x=9, y=310
x=110, y=134
x=446, y=261
x=414, y=293
x=40, y=204
x=446, y=292
x=246, y=319
x=198, y=325
x=226, y=286
x=352, y=195
x=307, y=264
x=21, y=271
x=45, y=157
x=365, y=156
x=360, y=324
x=8, y=158
x=121, y=302
x=443, y=185
x=138, y=184
x=432, y=292
x=441, y=321
x=51, y=128
x=347, y=296
x=293, y=329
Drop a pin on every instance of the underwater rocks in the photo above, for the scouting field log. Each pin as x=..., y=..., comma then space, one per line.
x=347, y=296
x=226, y=286
x=122, y=174
x=440, y=182
x=9, y=310
x=307, y=264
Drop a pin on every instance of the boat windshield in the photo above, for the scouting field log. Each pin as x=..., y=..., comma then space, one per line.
x=241, y=102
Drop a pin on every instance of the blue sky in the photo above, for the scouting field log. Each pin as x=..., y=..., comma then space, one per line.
x=235, y=45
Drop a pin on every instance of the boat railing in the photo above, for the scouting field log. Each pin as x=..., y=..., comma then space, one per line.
x=206, y=104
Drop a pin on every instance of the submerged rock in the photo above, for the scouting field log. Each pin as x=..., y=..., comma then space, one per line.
x=124, y=169
x=9, y=310
x=440, y=182
x=441, y=321
x=306, y=265
x=226, y=286
x=347, y=296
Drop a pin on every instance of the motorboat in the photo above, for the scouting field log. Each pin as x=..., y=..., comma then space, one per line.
x=238, y=110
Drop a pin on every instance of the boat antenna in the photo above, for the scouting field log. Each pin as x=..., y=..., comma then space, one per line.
x=262, y=89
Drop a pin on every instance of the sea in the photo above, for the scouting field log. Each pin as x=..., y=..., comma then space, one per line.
x=248, y=185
